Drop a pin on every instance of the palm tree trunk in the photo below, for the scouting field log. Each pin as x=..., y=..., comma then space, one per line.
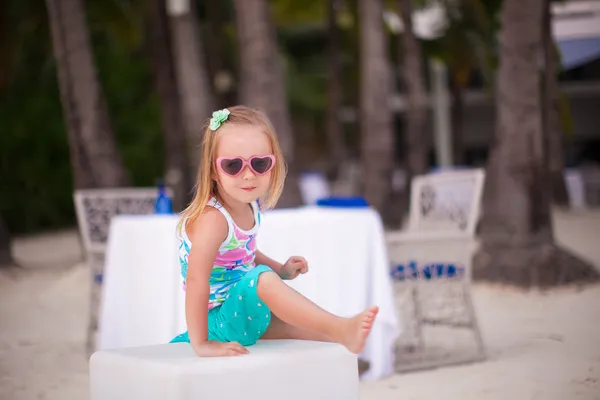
x=192, y=77
x=517, y=243
x=337, y=147
x=262, y=82
x=94, y=156
x=159, y=48
x=457, y=111
x=414, y=82
x=377, y=141
x=552, y=125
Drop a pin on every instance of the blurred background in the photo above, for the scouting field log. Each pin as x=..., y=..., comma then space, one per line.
x=156, y=75
x=366, y=95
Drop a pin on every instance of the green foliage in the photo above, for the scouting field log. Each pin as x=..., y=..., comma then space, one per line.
x=566, y=116
x=35, y=172
x=469, y=42
x=34, y=166
x=306, y=85
x=303, y=41
x=293, y=13
x=134, y=110
x=35, y=169
x=122, y=21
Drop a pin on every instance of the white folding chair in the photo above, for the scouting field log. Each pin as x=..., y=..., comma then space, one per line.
x=94, y=209
x=432, y=265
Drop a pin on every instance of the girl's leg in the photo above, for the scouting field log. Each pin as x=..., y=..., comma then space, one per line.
x=282, y=330
x=295, y=309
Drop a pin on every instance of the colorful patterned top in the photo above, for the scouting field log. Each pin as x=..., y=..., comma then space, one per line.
x=234, y=258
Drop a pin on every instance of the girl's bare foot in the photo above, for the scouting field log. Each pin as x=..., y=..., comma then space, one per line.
x=354, y=332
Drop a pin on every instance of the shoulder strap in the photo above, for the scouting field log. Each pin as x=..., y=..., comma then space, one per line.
x=256, y=208
x=181, y=233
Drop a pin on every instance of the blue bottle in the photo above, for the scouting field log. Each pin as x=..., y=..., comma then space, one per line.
x=163, y=204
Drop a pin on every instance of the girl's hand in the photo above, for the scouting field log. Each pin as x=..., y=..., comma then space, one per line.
x=293, y=267
x=212, y=348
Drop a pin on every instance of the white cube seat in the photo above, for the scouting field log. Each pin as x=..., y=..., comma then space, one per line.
x=274, y=369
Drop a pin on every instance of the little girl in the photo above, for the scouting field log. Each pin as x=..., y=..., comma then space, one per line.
x=234, y=293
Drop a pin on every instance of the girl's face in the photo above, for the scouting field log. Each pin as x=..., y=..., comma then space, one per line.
x=244, y=162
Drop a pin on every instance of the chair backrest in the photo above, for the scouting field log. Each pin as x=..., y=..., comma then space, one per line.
x=446, y=201
x=96, y=207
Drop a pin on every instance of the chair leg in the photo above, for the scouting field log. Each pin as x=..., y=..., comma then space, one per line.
x=418, y=315
x=470, y=309
x=96, y=271
x=92, y=319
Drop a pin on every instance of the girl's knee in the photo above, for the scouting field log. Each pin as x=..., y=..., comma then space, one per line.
x=267, y=278
x=266, y=281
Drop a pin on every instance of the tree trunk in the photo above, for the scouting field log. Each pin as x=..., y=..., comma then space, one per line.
x=457, y=110
x=159, y=48
x=416, y=94
x=377, y=141
x=192, y=78
x=337, y=147
x=517, y=243
x=262, y=82
x=94, y=156
x=552, y=126
x=5, y=247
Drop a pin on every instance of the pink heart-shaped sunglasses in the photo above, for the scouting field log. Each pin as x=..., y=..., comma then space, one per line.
x=260, y=165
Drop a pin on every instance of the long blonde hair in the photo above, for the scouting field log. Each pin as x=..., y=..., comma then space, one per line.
x=206, y=186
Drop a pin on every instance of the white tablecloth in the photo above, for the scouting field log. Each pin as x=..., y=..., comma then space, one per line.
x=348, y=268
x=143, y=302
x=142, y=298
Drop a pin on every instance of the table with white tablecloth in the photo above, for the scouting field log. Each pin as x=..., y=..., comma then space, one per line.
x=348, y=267
x=143, y=301
x=142, y=298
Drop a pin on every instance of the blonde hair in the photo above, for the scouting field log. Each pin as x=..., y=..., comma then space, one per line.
x=206, y=186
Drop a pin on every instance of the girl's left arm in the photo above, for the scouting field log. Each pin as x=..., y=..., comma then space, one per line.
x=260, y=258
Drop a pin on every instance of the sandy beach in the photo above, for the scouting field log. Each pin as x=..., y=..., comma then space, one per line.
x=541, y=345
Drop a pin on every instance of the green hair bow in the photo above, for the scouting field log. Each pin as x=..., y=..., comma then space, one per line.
x=218, y=117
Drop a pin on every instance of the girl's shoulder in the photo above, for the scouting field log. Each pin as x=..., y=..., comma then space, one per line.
x=209, y=221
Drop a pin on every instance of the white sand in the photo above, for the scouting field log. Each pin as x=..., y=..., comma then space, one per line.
x=540, y=345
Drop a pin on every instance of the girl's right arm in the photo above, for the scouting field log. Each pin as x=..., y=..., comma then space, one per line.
x=206, y=233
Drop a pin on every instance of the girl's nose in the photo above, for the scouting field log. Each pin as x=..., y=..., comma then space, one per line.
x=247, y=173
